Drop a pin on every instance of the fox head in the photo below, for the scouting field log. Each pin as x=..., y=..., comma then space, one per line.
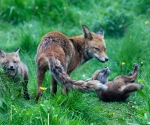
x=9, y=62
x=101, y=75
x=95, y=44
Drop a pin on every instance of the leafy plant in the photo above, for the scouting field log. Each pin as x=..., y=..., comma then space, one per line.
x=114, y=23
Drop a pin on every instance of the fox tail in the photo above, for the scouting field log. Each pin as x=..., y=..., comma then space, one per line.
x=58, y=72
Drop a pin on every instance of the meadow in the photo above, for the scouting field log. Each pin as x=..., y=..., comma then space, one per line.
x=127, y=35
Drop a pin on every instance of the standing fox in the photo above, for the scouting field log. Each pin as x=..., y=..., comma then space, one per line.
x=15, y=69
x=120, y=88
x=70, y=51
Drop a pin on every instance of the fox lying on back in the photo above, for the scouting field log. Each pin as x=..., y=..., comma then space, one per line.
x=15, y=69
x=120, y=88
x=70, y=51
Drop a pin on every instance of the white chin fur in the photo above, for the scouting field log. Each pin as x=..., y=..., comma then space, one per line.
x=99, y=58
x=100, y=86
x=103, y=87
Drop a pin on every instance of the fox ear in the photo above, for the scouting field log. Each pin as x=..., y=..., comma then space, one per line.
x=17, y=50
x=101, y=32
x=2, y=53
x=86, y=32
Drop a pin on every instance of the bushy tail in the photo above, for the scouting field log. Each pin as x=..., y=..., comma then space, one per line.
x=59, y=74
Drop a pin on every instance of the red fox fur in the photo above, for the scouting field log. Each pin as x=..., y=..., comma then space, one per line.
x=120, y=88
x=70, y=51
x=59, y=74
x=15, y=69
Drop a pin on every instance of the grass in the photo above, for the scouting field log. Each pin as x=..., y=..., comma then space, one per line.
x=23, y=24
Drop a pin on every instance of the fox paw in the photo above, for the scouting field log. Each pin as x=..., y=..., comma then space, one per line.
x=136, y=68
x=141, y=87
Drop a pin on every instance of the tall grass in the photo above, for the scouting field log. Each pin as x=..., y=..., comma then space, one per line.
x=23, y=23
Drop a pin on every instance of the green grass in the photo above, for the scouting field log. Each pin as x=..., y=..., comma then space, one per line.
x=126, y=25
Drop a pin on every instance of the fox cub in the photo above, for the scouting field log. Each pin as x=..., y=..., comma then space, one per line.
x=120, y=88
x=15, y=69
x=70, y=51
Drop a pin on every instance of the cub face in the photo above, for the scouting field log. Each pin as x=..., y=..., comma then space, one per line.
x=101, y=75
x=9, y=62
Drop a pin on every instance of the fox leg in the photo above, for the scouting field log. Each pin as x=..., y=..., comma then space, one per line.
x=40, y=77
x=53, y=63
x=64, y=89
x=129, y=79
x=130, y=88
x=54, y=86
x=132, y=76
x=25, y=88
x=135, y=68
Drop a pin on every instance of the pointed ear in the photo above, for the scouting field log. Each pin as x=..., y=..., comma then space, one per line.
x=2, y=53
x=86, y=32
x=17, y=50
x=101, y=32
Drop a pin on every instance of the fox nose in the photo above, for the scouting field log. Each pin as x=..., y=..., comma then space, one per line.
x=106, y=59
x=11, y=67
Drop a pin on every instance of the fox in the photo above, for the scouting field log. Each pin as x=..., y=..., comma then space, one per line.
x=15, y=69
x=70, y=51
x=120, y=88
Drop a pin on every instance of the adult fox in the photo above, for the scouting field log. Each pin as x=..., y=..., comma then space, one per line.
x=70, y=51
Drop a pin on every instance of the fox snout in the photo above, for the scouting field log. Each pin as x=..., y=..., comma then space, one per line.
x=106, y=59
x=106, y=69
x=8, y=67
x=102, y=75
x=11, y=67
x=101, y=58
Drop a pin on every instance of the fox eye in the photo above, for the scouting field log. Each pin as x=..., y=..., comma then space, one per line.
x=97, y=49
x=14, y=61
